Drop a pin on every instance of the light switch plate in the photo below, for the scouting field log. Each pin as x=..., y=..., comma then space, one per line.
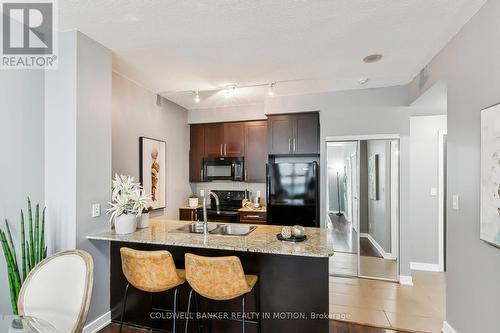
x=434, y=191
x=455, y=202
x=96, y=210
x=202, y=193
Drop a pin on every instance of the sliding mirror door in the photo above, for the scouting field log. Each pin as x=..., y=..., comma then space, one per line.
x=342, y=206
x=379, y=209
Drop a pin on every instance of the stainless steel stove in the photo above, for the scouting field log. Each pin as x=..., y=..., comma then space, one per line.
x=229, y=203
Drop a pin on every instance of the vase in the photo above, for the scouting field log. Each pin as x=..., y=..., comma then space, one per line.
x=125, y=224
x=193, y=202
x=143, y=221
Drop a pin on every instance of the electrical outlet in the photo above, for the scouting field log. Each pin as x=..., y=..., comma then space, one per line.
x=456, y=202
x=434, y=192
x=96, y=210
x=202, y=193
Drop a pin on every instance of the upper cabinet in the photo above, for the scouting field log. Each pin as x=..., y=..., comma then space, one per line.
x=196, y=152
x=234, y=139
x=292, y=134
x=225, y=139
x=255, y=151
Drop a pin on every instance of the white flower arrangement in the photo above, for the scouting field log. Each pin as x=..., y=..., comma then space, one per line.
x=128, y=197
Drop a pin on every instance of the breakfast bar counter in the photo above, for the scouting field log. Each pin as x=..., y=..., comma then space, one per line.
x=293, y=277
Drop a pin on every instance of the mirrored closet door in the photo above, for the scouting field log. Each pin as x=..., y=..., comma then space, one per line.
x=363, y=208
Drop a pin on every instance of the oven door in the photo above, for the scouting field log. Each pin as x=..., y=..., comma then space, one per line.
x=224, y=216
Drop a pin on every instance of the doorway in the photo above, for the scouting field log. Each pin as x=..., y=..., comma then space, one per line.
x=363, y=207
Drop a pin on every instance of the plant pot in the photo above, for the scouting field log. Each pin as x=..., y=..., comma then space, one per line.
x=143, y=221
x=193, y=202
x=125, y=224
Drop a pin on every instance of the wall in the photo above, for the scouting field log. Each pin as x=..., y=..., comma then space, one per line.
x=221, y=114
x=136, y=113
x=379, y=211
x=469, y=66
x=22, y=151
x=424, y=214
x=78, y=153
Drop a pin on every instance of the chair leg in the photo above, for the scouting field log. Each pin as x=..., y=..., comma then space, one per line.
x=188, y=309
x=175, y=310
x=123, y=306
x=257, y=306
x=197, y=310
x=243, y=314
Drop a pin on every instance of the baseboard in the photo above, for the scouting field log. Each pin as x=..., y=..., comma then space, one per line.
x=406, y=280
x=98, y=324
x=447, y=328
x=379, y=248
x=422, y=266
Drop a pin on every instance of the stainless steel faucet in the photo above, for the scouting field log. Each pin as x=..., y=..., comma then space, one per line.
x=205, y=220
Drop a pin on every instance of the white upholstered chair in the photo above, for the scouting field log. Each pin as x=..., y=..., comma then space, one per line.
x=58, y=290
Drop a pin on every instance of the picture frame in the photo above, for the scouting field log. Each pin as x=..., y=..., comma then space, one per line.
x=152, y=167
x=373, y=177
x=489, y=221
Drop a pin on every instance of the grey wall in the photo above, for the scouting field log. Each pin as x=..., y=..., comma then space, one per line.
x=379, y=211
x=21, y=150
x=78, y=153
x=424, y=215
x=94, y=160
x=363, y=187
x=469, y=65
x=135, y=114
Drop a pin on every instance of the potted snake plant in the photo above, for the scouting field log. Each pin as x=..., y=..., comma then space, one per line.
x=33, y=249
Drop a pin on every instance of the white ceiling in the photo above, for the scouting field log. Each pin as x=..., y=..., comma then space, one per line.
x=172, y=45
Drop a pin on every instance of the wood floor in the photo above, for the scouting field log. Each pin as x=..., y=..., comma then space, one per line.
x=335, y=327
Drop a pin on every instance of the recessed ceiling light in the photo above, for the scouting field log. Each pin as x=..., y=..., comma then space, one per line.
x=372, y=58
x=363, y=80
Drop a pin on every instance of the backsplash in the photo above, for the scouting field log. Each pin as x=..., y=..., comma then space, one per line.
x=232, y=186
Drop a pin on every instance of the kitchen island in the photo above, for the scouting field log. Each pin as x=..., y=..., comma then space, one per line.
x=293, y=277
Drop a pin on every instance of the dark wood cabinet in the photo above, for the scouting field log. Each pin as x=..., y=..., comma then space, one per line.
x=234, y=139
x=293, y=134
x=196, y=152
x=306, y=137
x=188, y=213
x=255, y=151
x=253, y=217
x=214, y=139
x=280, y=134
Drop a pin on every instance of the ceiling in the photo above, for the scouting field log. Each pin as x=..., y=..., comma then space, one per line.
x=169, y=45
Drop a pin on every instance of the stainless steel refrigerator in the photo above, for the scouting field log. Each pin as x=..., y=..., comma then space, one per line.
x=293, y=194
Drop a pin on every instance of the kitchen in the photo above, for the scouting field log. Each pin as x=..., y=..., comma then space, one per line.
x=252, y=178
x=277, y=158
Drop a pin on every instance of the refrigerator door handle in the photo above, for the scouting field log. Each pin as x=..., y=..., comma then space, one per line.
x=289, y=145
x=268, y=186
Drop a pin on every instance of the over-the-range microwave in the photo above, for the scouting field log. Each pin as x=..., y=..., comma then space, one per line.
x=223, y=168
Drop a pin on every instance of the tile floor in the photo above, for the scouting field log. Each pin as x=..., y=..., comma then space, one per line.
x=418, y=308
x=347, y=264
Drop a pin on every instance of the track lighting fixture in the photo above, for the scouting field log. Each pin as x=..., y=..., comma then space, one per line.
x=196, y=97
x=270, y=92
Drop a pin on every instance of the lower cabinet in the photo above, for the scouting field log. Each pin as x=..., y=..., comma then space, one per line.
x=188, y=214
x=253, y=217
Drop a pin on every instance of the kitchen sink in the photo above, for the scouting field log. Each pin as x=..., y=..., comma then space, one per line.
x=197, y=228
x=233, y=230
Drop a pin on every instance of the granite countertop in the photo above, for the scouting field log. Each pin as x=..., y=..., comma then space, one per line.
x=261, y=240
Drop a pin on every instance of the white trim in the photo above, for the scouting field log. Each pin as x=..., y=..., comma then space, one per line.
x=379, y=248
x=447, y=328
x=422, y=266
x=441, y=198
x=394, y=197
x=98, y=324
x=362, y=137
x=406, y=280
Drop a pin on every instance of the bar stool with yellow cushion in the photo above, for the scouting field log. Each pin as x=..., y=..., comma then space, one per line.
x=150, y=271
x=219, y=279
